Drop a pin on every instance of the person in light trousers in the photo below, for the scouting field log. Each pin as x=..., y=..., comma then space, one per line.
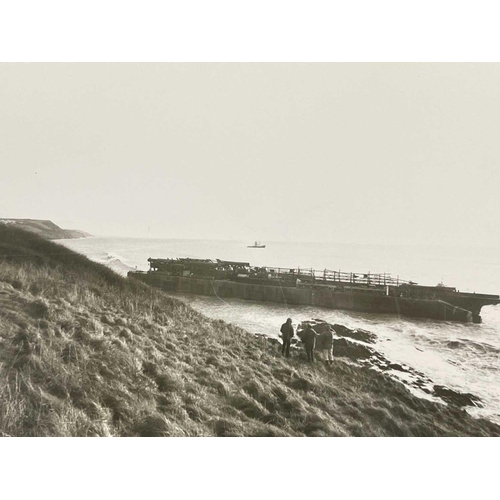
x=327, y=347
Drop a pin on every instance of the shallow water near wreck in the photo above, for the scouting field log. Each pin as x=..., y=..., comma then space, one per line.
x=465, y=357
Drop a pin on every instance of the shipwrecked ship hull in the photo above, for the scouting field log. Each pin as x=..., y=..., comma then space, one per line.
x=318, y=296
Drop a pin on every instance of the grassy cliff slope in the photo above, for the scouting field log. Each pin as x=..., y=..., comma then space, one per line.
x=84, y=352
x=45, y=228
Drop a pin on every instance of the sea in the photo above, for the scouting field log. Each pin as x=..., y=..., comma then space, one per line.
x=464, y=357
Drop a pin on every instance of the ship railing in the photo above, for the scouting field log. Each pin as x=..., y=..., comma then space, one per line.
x=304, y=275
x=329, y=276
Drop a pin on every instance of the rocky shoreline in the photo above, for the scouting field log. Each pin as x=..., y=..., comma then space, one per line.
x=356, y=346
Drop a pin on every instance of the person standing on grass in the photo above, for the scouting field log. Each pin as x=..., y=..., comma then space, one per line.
x=309, y=339
x=286, y=335
x=327, y=346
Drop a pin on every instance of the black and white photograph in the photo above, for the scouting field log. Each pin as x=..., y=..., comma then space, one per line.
x=244, y=249
x=231, y=246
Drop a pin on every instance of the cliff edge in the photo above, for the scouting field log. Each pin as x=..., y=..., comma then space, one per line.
x=45, y=228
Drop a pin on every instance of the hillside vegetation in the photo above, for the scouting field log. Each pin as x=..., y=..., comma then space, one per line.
x=85, y=352
x=45, y=228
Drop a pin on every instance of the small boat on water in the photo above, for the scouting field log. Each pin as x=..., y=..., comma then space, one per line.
x=257, y=244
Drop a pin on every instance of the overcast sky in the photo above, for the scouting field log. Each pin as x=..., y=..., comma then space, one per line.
x=368, y=153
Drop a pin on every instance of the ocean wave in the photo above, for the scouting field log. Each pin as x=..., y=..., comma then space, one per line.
x=115, y=262
x=110, y=257
x=482, y=347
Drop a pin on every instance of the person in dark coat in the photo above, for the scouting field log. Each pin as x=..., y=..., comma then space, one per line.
x=309, y=339
x=286, y=335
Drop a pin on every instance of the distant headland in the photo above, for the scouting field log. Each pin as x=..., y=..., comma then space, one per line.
x=45, y=228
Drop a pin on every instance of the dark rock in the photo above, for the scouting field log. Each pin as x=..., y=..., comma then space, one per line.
x=380, y=362
x=322, y=328
x=344, y=347
x=342, y=330
x=361, y=335
x=456, y=398
x=274, y=342
x=318, y=325
x=396, y=366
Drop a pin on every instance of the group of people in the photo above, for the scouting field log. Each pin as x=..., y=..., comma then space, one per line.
x=310, y=339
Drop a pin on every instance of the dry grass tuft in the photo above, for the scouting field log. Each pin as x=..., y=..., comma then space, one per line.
x=156, y=426
x=228, y=428
x=168, y=382
x=39, y=309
